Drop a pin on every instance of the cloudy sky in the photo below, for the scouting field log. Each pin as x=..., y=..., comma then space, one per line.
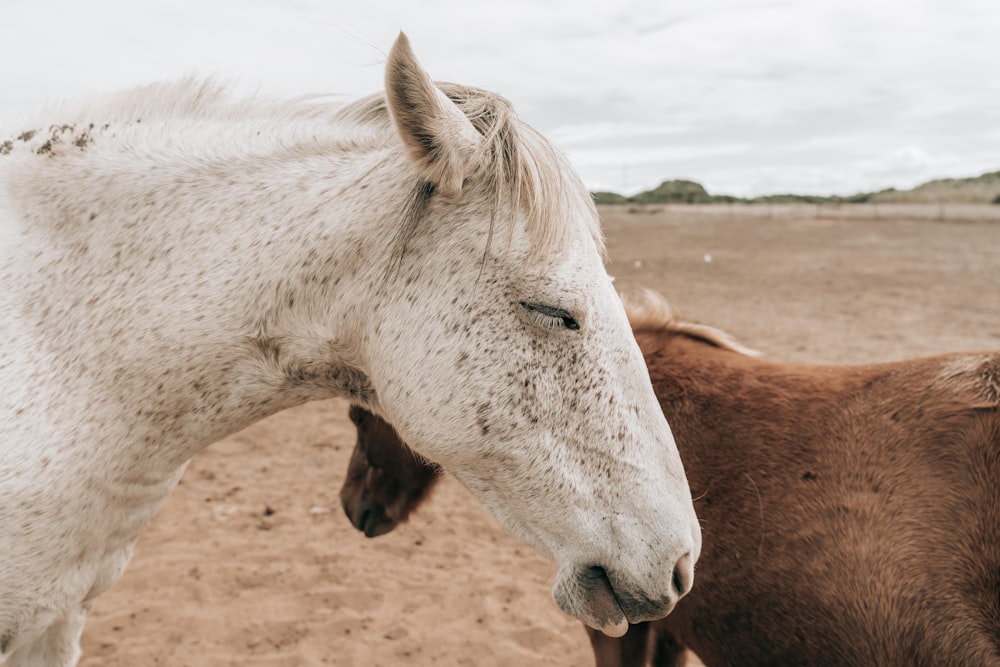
x=755, y=97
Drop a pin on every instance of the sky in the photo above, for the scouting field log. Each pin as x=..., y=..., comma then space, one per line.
x=747, y=98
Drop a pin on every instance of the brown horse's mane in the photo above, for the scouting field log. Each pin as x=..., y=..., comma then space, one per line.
x=650, y=311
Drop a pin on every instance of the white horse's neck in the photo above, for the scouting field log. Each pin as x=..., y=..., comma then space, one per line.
x=215, y=250
x=167, y=280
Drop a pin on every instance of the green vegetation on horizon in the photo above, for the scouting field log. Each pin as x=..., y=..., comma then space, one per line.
x=983, y=189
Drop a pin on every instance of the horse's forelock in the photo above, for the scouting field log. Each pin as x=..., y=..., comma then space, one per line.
x=519, y=169
x=522, y=169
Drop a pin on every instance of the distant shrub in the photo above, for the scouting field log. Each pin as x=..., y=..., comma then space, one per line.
x=975, y=190
x=609, y=198
x=674, y=192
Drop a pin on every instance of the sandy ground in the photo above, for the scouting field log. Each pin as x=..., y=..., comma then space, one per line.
x=252, y=562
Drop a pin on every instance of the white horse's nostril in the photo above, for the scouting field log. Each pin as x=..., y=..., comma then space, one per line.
x=683, y=575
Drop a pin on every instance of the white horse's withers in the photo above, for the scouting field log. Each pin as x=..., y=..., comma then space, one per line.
x=177, y=265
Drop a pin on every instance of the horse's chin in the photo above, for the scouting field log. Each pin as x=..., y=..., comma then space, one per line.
x=586, y=593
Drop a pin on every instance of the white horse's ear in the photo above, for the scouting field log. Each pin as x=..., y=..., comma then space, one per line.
x=437, y=135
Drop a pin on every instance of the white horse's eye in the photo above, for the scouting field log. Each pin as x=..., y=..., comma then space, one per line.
x=548, y=317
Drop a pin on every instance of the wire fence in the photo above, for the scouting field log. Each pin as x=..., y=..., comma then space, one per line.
x=940, y=211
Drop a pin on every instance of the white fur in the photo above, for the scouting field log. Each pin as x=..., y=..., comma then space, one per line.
x=177, y=265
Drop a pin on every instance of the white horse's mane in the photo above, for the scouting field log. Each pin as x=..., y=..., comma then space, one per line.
x=189, y=97
x=518, y=165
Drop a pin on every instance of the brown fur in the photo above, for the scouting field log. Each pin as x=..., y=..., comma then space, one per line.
x=850, y=513
x=385, y=481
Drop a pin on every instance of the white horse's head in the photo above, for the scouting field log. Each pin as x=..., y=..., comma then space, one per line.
x=499, y=349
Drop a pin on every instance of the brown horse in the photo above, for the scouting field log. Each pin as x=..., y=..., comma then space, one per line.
x=850, y=513
x=386, y=480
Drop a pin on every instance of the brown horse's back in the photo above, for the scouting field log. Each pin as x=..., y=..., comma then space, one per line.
x=850, y=514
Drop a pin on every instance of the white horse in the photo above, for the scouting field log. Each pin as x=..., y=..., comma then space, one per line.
x=176, y=265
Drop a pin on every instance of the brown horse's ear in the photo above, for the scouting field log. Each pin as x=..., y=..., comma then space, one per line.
x=439, y=138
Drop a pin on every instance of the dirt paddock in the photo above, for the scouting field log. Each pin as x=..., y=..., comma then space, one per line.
x=252, y=562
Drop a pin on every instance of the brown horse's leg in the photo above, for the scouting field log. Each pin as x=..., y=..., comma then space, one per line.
x=629, y=650
x=667, y=651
